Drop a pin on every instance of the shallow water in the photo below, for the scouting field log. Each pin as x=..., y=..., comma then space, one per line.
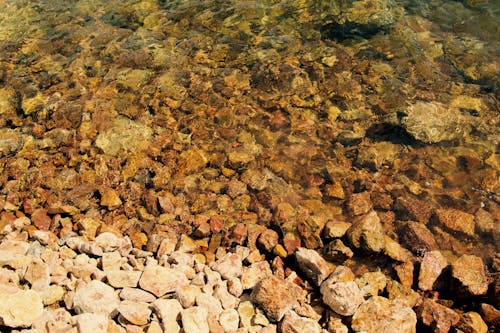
x=176, y=104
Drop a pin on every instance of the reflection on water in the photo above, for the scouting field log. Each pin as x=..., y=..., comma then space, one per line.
x=155, y=115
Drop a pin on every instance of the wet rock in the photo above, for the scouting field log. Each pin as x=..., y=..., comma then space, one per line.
x=313, y=265
x=335, y=229
x=437, y=317
x=431, y=268
x=293, y=323
x=490, y=314
x=96, y=297
x=371, y=283
x=110, y=199
x=276, y=297
x=268, y=240
x=360, y=203
x=403, y=294
x=470, y=272
x=410, y=209
x=417, y=237
x=337, y=251
x=125, y=136
x=341, y=293
x=160, y=280
x=378, y=315
x=366, y=232
x=456, y=220
x=433, y=122
x=395, y=251
x=135, y=312
x=484, y=222
x=195, y=320
x=471, y=322
x=19, y=308
x=10, y=141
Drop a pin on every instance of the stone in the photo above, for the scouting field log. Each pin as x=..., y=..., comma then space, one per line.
x=360, y=203
x=112, y=261
x=341, y=293
x=108, y=241
x=110, y=199
x=403, y=294
x=96, y=297
x=227, y=300
x=371, y=283
x=229, y=266
x=136, y=295
x=437, y=316
x=122, y=279
x=137, y=313
x=268, y=240
x=169, y=312
x=395, y=251
x=38, y=275
x=246, y=311
x=404, y=272
x=456, y=220
x=160, y=280
x=380, y=315
x=470, y=272
x=471, y=322
x=92, y=323
x=195, y=320
x=19, y=308
x=53, y=294
x=490, y=314
x=366, y=232
x=255, y=273
x=212, y=304
x=186, y=294
x=276, y=296
x=293, y=323
x=335, y=229
x=431, y=267
x=313, y=265
x=229, y=320
x=337, y=251
x=417, y=237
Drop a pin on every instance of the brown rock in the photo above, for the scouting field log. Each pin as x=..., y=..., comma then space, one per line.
x=293, y=323
x=471, y=322
x=470, y=271
x=403, y=294
x=110, y=198
x=40, y=219
x=268, y=240
x=291, y=242
x=436, y=316
x=335, y=229
x=431, y=267
x=313, y=265
x=484, y=222
x=405, y=273
x=456, y=220
x=276, y=297
x=417, y=237
x=490, y=314
x=410, y=209
x=395, y=251
x=336, y=251
x=366, y=232
x=360, y=203
x=239, y=233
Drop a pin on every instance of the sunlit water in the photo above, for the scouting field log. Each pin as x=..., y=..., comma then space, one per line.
x=304, y=101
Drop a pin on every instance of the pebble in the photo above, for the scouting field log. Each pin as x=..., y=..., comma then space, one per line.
x=437, y=316
x=431, y=267
x=293, y=323
x=313, y=265
x=276, y=296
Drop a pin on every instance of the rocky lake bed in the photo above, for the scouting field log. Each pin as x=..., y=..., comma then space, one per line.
x=227, y=166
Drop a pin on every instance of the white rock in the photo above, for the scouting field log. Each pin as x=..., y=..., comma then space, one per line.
x=293, y=323
x=229, y=266
x=210, y=303
x=187, y=295
x=19, y=308
x=246, y=311
x=108, y=241
x=227, y=300
x=122, y=279
x=112, y=261
x=342, y=297
x=136, y=295
x=38, y=275
x=313, y=265
x=137, y=313
x=96, y=297
x=229, y=320
x=255, y=273
x=90, y=248
x=92, y=323
x=195, y=320
x=235, y=287
x=160, y=280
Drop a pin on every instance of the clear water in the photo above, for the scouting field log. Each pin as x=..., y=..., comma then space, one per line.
x=176, y=99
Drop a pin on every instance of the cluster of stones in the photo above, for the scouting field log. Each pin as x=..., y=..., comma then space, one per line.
x=104, y=284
